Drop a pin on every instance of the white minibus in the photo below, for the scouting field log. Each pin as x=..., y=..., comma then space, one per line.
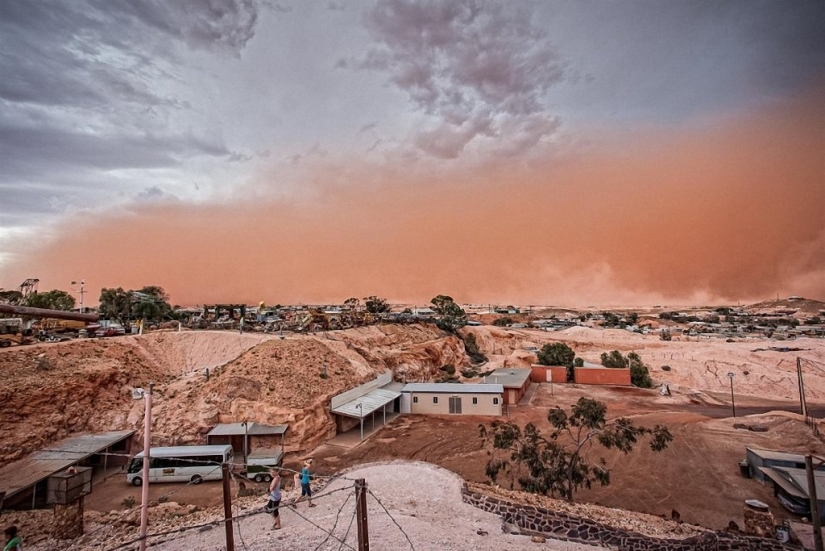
x=181, y=464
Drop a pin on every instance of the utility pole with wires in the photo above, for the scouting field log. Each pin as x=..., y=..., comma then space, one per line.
x=361, y=514
x=226, y=475
x=147, y=436
x=802, y=403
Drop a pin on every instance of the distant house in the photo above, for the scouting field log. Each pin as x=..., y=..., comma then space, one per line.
x=423, y=312
x=452, y=398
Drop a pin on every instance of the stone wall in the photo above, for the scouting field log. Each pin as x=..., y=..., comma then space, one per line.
x=538, y=521
x=68, y=520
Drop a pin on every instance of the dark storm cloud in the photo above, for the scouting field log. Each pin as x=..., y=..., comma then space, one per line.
x=88, y=86
x=480, y=68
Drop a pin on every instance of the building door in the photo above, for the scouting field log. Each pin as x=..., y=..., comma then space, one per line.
x=455, y=404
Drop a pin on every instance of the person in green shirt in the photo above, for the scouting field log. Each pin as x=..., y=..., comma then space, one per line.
x=13, y=541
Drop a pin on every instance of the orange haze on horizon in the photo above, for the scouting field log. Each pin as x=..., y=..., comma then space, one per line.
x=730, y=211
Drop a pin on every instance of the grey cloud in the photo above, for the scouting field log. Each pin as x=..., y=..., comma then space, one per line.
x=367, y=128
x=52, y=148
x=464, y=62
x=152, y=194
x=89, y=86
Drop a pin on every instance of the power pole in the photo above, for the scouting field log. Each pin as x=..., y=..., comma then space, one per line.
x=227, y=507
x=361, y=514
x=147, y=437
x=802, y=403
x=815, y=520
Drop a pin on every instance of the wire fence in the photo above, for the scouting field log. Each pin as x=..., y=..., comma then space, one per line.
x=239, y=514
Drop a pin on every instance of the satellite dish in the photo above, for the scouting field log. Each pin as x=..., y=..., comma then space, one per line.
x=137, y=393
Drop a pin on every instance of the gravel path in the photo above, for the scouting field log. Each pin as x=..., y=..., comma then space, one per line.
x=424, y=499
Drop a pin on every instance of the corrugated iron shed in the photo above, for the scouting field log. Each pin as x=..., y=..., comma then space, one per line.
x=369, y=402
x=27, y=472
x=254, y=429
x=455, y=388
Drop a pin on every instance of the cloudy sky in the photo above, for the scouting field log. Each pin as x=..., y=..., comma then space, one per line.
x=547, y=152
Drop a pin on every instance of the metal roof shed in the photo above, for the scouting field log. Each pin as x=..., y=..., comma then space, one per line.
x=230, y=433
x=454, y=388
x=253, y=429
x=30, y=471
x=509, y=377
x=366, y=399
x=366, y=404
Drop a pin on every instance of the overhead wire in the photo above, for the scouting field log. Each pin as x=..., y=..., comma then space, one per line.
x=392, y=518
x=334, y=524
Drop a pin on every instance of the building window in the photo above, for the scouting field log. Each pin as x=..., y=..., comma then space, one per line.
x=435, y=399
x=415, y=399
x=475, y=401
x=495, y=401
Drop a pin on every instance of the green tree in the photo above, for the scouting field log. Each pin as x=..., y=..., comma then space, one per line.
x=578, y=362
x=452, y=316
x=376, y=305
x=561, y=463
x=146, y=309
x=156, y=294
x=440, y=303
x=639, y=372
x=556, y=353
x=633, y=318
x=503, y=322
x=52, y=300
x=115, y=304
x=614, y=359
x=472, y=349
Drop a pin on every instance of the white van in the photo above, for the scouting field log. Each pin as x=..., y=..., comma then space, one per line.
x=181, y=464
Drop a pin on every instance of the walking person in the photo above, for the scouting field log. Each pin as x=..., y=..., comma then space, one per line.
x=275, y=497
x=13, y=541
x=306, y=490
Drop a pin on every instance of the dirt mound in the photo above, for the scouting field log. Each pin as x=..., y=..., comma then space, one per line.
x=275, y=382
x=195, y=350
x=412, y=353
x=51, y=391
x=801, y=305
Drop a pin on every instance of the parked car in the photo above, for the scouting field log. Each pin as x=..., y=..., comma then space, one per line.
x=110, y=331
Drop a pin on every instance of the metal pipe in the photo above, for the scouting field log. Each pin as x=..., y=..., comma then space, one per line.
x=47, y=313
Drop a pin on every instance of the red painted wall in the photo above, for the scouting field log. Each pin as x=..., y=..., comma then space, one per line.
x=601, y=376
x=539, y=373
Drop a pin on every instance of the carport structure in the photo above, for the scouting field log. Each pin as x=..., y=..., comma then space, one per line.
x=363, y=401
x=25, y=481
x=242, y=436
